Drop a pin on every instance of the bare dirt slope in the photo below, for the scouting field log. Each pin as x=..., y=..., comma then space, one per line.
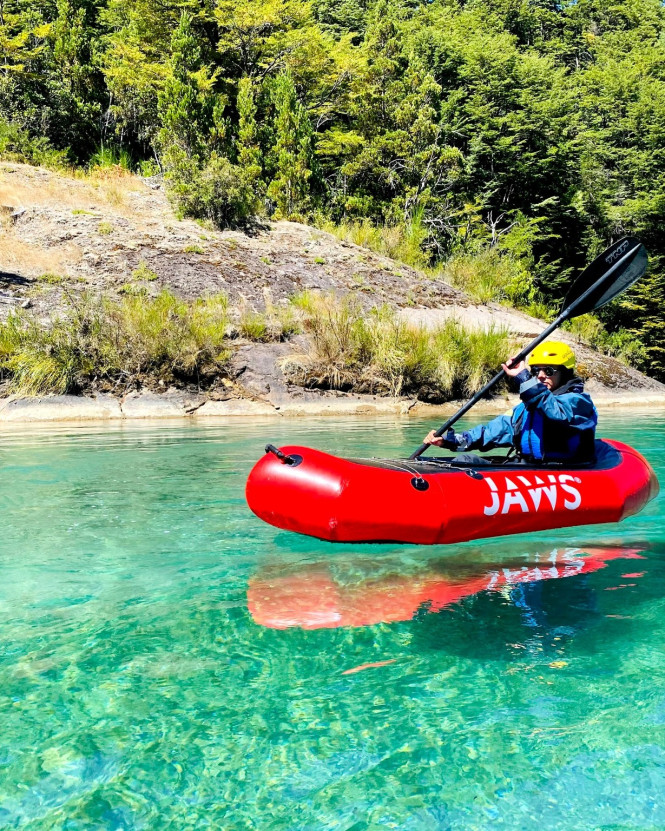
x=63, y=236
x=97, y=233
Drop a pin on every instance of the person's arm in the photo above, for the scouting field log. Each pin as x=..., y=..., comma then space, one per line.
x=497, y=433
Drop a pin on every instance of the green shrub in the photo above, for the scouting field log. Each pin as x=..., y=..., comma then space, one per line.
x=17, y=145
x=489, y=276
x=105, y=228
x=216, y=191
x=621, y=344
x=625, y=346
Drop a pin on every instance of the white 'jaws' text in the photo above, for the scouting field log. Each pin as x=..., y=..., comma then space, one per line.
x=533, y=495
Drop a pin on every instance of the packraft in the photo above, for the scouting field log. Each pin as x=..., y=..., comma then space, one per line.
x=434, y=501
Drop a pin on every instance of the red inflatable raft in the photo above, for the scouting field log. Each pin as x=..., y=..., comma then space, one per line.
x=434, y=501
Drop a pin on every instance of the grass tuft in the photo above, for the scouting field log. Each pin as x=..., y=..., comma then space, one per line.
x=110, y=158
x=278, y=323
x=99, y=342
x=379, y=353
x=399, y=242
x=143, y=272
x=133, y=289
x=51, y=278
x=254, y=326
x=488, y=277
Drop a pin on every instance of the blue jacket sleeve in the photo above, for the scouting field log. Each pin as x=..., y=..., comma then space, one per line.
x=497, y=433
x=574, y=408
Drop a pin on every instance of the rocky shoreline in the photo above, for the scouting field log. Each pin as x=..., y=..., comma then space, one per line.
x=65, y=237
x=177, y=405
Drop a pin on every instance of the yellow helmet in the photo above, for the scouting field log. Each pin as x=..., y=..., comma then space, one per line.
x=554, y=353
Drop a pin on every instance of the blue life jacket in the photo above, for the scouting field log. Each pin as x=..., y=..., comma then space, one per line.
x=547, y=425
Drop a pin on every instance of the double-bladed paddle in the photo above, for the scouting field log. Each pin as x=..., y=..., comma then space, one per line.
x=615, y=270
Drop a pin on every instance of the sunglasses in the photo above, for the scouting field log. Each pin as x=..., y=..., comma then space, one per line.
x=548, y=370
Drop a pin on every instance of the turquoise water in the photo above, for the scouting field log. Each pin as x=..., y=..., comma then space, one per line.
x=515, y=683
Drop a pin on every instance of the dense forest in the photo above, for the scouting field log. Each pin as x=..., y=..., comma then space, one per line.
x=529, y=131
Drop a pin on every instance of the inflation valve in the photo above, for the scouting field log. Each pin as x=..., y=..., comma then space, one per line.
x=294, y=460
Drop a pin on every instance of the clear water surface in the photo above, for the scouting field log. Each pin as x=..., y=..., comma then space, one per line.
x=167, y=661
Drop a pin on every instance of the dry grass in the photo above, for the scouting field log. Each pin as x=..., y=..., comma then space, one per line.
x=31, y=260
x=101, y=344
x=98, y=191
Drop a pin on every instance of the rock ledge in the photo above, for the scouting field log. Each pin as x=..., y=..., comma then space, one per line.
x=148, y=405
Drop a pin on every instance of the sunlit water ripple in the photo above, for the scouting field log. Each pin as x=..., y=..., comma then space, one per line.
x=170, y=662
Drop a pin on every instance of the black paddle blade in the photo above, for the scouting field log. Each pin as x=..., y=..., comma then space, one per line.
x=615, y=270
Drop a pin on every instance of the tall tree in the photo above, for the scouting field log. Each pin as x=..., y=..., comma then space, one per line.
x=248, y=150
x=293, y=152
x=49, y=82
x=190, y=109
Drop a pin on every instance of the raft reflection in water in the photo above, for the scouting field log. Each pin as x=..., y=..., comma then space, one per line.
x=363, y=592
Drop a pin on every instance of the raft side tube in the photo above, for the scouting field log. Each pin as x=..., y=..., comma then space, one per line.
x=343, y=501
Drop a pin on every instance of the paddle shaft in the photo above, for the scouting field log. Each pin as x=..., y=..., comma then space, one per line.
x=565, y=314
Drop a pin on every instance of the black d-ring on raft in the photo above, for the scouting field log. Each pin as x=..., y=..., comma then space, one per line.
x=419, y=483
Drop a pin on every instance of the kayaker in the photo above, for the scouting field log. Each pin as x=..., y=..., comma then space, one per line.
x=555, y=421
